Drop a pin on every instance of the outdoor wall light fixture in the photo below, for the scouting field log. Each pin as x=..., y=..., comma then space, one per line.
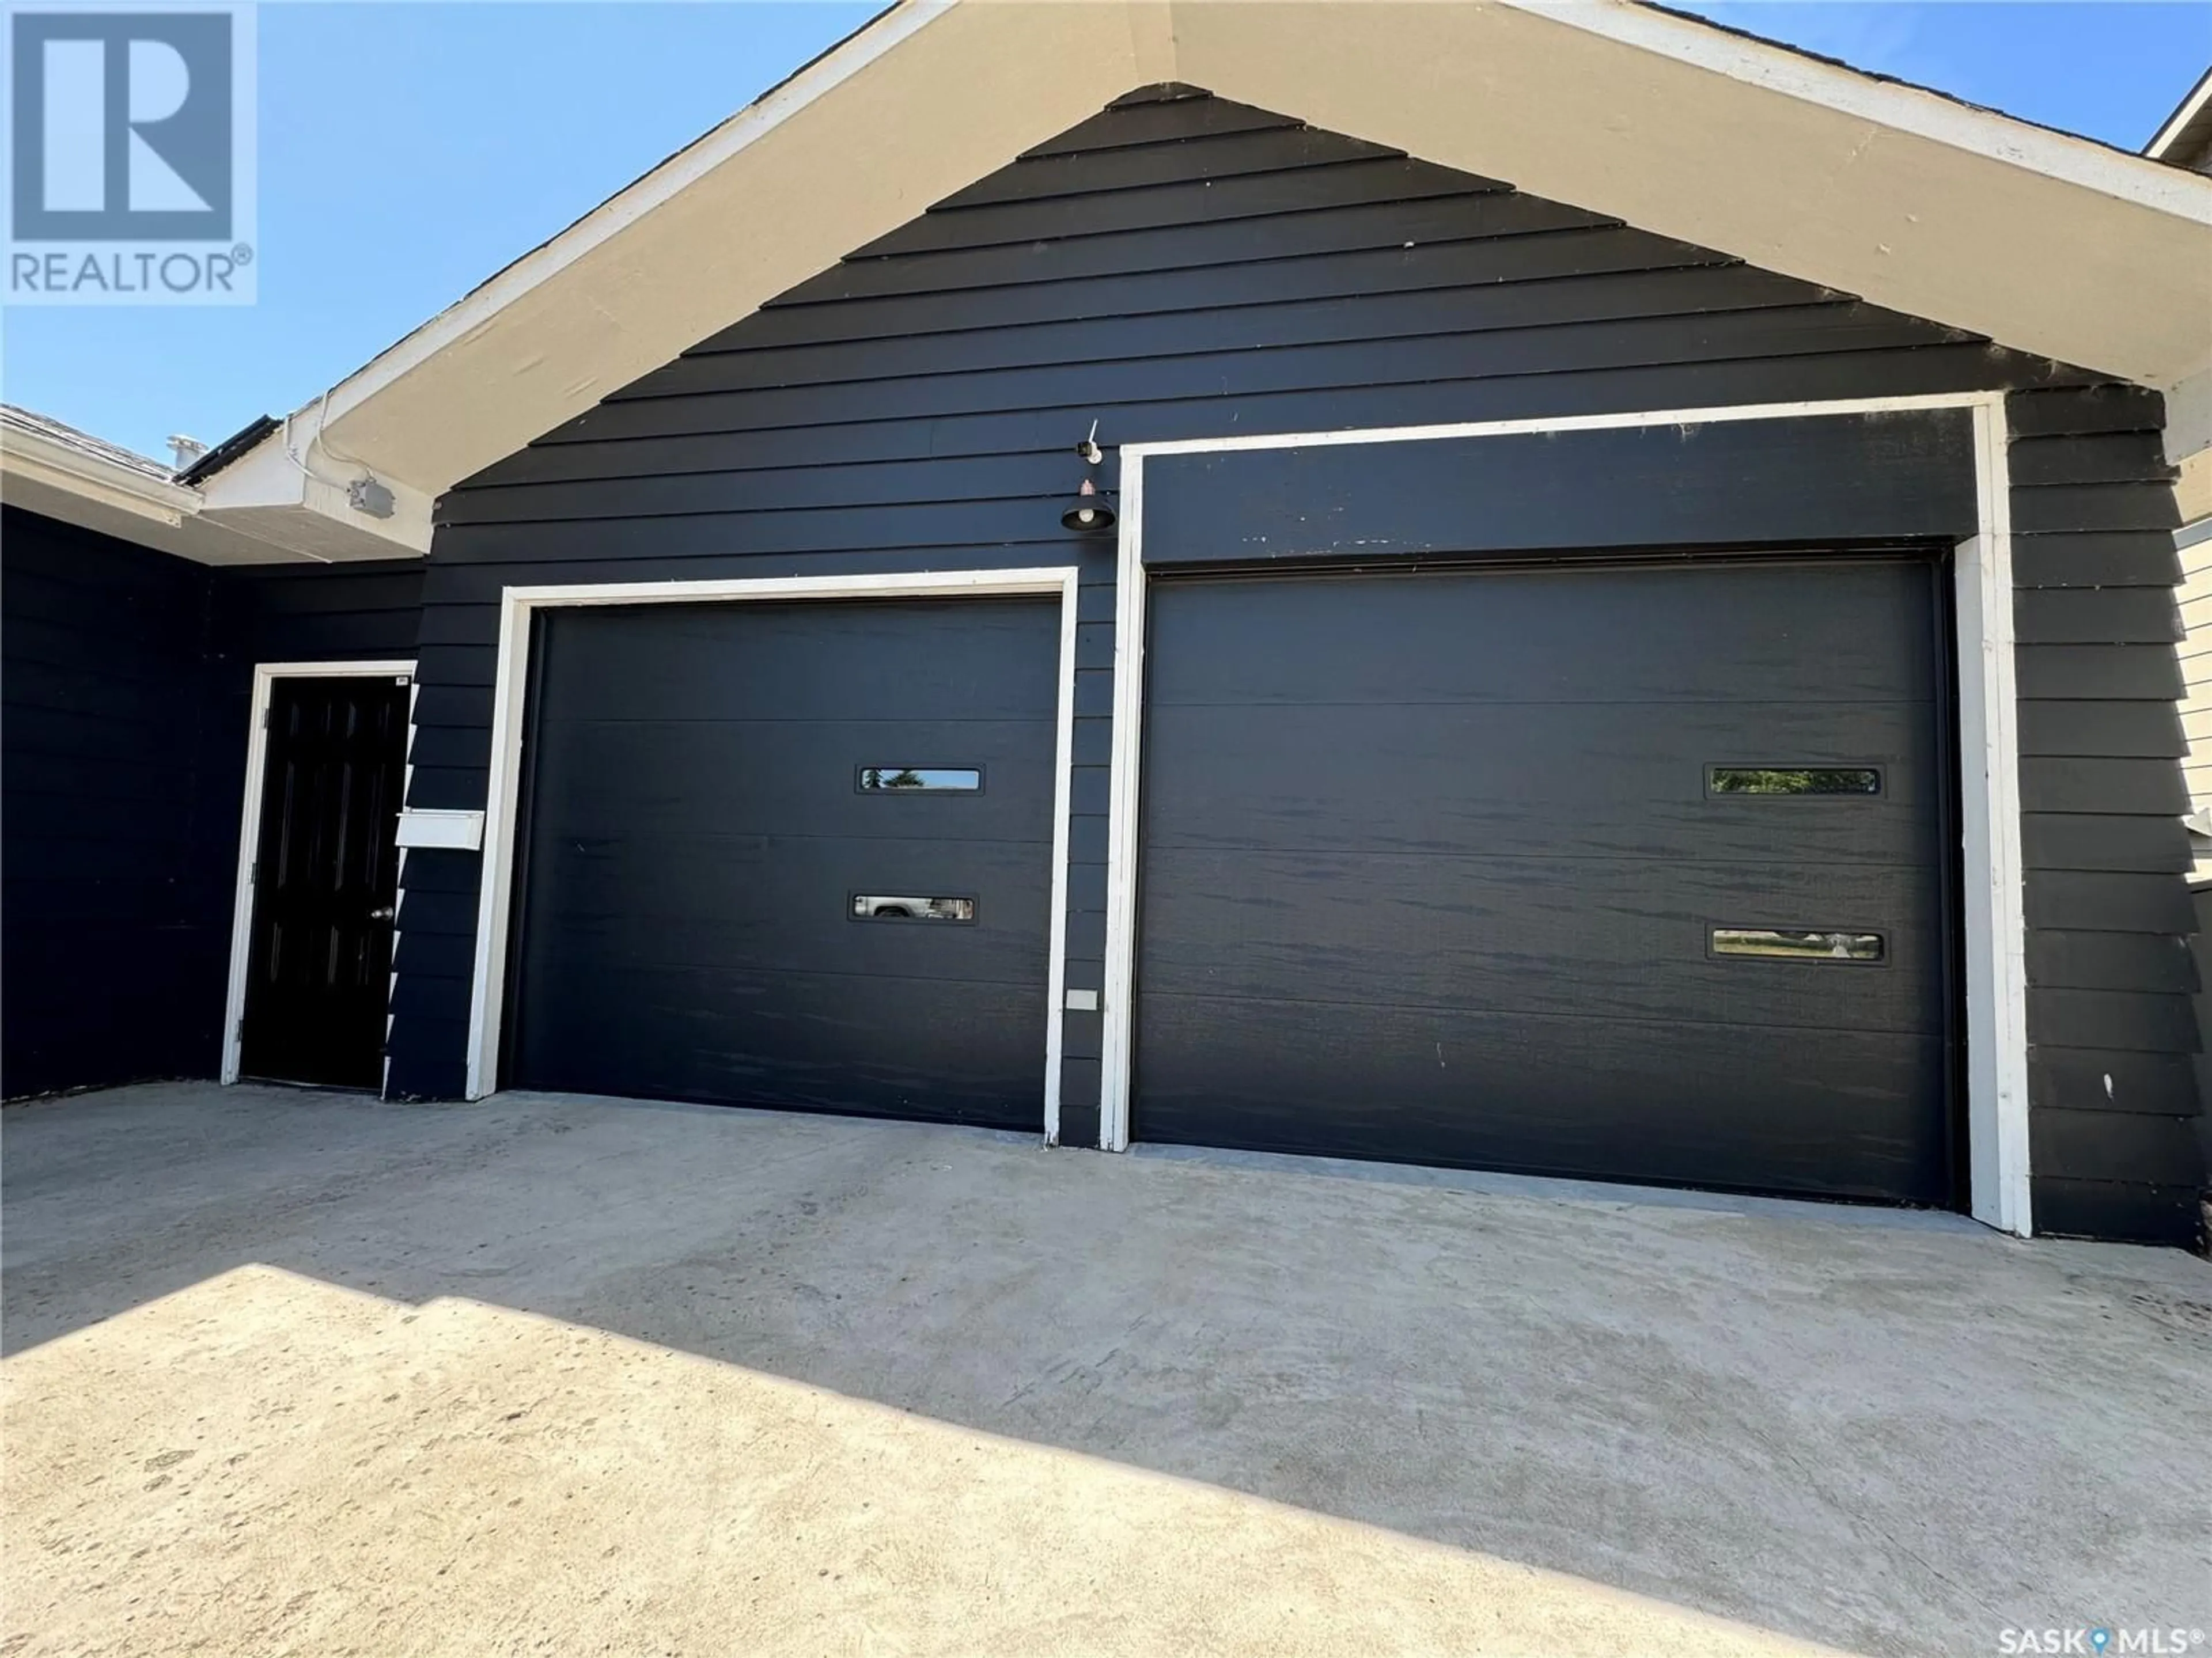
x=1089, y=513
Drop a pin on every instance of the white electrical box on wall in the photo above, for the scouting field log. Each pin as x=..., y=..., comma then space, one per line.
x=450, y=831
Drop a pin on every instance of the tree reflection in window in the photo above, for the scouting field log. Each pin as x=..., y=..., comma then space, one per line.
x=1794, y=780
x=920, y=779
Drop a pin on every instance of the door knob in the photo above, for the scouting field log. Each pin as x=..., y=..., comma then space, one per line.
x=384, y=914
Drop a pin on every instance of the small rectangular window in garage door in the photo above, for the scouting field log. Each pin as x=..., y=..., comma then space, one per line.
x=1793, y=780
x=1782, y=944
x=889, y=906
x=920, y=779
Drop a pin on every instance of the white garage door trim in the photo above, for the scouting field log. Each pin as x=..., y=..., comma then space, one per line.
x=1989, y=748
x=487, y=990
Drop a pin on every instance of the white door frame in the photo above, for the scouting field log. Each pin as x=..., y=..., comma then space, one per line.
x=488, y=989
x=265, y=676
x=1988, y=750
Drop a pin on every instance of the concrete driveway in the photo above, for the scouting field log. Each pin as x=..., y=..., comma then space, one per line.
x=292, y=1372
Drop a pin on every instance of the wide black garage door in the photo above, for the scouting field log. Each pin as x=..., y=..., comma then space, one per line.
x=1632, y=872
x=793, y=855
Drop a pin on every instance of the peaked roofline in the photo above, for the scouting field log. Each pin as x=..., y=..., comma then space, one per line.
x=2044, y=241
x=824, y=71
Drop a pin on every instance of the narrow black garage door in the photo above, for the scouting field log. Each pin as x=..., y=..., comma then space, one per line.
x=1628, y=872
x=791, y=855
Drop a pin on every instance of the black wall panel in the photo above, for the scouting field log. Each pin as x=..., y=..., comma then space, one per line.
x=127, y=677
x=110, y=944
x=1864, y=477
x=915, y=406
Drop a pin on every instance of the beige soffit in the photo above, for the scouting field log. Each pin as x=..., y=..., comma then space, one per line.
x=2050, y=244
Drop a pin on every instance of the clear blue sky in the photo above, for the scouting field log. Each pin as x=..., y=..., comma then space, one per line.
x=409, y=150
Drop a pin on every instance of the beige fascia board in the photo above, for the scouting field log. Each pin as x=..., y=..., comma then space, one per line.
x=1917, y=204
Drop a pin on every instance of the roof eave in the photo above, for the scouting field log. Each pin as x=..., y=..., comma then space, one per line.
x=29, y=453
x=1912, y=199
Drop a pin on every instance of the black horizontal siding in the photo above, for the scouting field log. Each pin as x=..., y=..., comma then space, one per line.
x=2103, y=841
x=2114, y=1146
x=2098, y=1079
x=1383, y=222
x=2144, y=729
x=128, y=676
x=862, y=439
x=1182, y=267
x=1274, y=152
x=1311, y=172
x=2139, y=558
x=1586, y=248
x=330, y=612
x=2097, y=673
x=1158, y=115
x=108, y=940
x=2084, y=411
x=1813, y=329
x=1628, y=294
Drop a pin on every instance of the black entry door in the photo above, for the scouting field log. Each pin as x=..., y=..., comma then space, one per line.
x=794, y=855
x=1627, y=872
x=325, y=882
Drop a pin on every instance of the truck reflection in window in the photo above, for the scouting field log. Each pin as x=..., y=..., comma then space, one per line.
x=1779, y=946
x=876, y=907
x=1793, y=780
x=920, y=779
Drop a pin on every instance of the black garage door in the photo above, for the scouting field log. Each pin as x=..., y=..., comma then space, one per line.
x=791, y=855
x=1633, y=872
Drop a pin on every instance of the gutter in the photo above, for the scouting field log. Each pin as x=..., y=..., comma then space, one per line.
x=228, y=450
x=40, y=459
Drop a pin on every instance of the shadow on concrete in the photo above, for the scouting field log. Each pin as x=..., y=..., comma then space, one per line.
x=1899, y=1439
